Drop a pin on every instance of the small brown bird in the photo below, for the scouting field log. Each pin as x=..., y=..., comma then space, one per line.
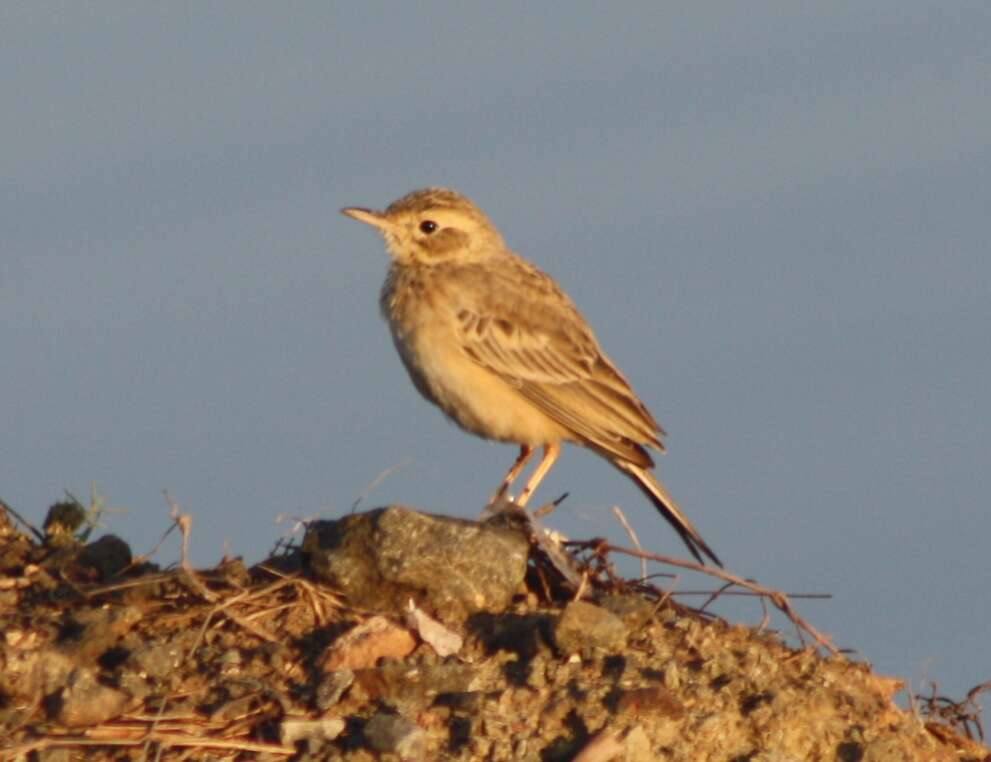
x=501, y=349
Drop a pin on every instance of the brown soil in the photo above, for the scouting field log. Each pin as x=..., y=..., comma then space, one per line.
x=106, y=658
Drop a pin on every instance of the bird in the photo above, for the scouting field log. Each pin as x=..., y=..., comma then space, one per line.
x=502, y=350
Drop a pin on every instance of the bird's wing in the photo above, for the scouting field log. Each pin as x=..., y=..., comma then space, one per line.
x=540, y=344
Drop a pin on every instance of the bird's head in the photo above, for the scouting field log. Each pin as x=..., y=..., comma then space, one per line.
x=431, y=226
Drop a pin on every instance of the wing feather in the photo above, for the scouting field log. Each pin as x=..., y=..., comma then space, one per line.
x=544, y=347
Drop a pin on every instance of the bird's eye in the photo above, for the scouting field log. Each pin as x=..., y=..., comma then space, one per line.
x=428, y=226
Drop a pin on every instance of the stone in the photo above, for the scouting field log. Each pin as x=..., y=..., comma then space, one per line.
x=314, y=733
x=84, y=701
x=156, y=659
x=88, y=633
x=33, y=674
x=524, y=634
x=105, y=556
x=381, y=559
x=393, y=733
x=411, y=688
x=584, y=627
x=443, y=640
x=363, y=645
x=634, y=610
x=332, y=687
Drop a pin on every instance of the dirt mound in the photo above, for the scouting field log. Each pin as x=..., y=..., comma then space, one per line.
x=396, y=635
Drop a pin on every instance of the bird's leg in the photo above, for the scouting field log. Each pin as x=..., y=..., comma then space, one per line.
x=526, y=452
x=551, y=451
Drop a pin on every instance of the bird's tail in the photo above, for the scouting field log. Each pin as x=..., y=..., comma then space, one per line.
x=668, y=508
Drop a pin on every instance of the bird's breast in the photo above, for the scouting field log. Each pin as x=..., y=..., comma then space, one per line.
x=424, y=329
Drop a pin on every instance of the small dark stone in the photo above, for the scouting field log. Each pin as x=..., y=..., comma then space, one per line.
x=613, y=667
x=460, y=729
x=113, y=658
x=63, y=519
x=753, y=701
x=720, y=681
x=525, y=635
x=464, y=701
x=411, y=689
x=517, y=672
x=106, y=556
x=652, y=674
x=849, y=751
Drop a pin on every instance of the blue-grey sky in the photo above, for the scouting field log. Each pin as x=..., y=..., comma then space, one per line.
x=774, y=214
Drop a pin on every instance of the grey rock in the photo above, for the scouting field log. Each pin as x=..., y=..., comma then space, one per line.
x=33, y=674
x=412, y=688
x=584, y=627
x=393, y=733
x=634, y=610
x=84, y=701
x=381, y=558
x=156, y=659
x=332, y=687
x=88, y=633
x=52, y=669
x=134, y=685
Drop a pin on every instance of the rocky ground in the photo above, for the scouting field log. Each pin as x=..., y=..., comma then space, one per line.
x=397, y=635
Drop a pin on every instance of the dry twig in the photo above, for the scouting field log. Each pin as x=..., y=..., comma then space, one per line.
x=780, y=600
x=963, y=715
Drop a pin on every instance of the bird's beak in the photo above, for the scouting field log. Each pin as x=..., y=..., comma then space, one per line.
x=368, y=216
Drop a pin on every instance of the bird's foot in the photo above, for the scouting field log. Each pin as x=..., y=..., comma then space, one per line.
x=501, y=502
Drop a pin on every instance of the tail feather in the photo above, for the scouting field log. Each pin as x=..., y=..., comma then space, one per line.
x=668, y=508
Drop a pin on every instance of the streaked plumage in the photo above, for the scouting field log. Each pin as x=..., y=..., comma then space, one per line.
x=501, y=349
